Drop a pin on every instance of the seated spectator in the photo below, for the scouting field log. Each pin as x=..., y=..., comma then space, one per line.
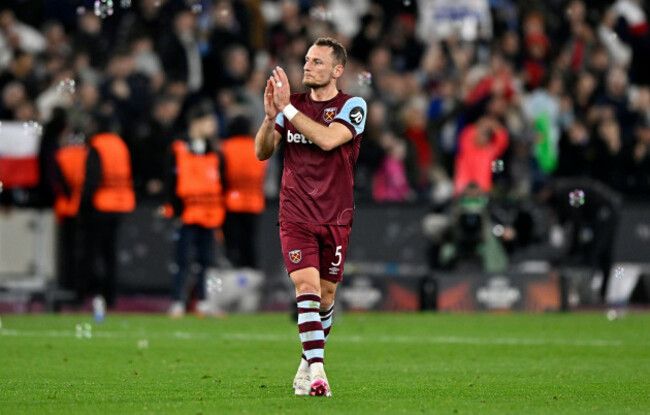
x=150, y=149
x=614, y=101
x=638, y=162
x=414, y=119
x=609, y=152
x=179, y=51
x=576, y=154
x=14, y=34
x=390, y=183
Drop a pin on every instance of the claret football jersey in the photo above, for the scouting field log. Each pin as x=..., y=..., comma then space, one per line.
x=316, y=184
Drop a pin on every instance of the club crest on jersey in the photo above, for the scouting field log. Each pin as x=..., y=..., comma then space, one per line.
x=329, y=114
x=295, y=256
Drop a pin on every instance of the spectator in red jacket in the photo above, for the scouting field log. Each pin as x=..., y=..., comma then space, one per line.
x=480, y=144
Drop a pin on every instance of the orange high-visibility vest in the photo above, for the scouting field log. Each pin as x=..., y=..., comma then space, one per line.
x=198, y=185
x=72, y=163
x=244, y=175
x=115, y=192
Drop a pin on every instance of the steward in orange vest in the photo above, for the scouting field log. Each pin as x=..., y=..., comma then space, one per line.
x=107, y=195
x=198, y=189
x=112, y=191
x=69, y=176
x=244, y=174
x=244, y=195
x=195, y=192
x=71, y=163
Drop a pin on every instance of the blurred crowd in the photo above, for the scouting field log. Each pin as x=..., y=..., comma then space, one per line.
x=519, y=101
x=453, y=87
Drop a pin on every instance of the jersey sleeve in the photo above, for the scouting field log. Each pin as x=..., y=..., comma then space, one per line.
x=353, y=115
x=279, y=123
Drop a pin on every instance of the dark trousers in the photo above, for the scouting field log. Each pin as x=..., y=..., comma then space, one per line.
x=99, y=256
x=68, y=255
x=202, y=240
x=240, y=231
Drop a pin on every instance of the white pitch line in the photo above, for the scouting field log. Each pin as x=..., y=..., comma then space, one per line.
x=511, y=341
x=342, y=338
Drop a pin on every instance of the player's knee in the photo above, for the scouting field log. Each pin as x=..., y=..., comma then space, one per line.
x=306, y=287
x=327, y=297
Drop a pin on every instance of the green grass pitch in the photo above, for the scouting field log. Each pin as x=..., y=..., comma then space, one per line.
x=376, y=363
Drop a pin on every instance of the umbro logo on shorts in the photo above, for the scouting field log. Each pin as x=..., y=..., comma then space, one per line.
x=295, y=256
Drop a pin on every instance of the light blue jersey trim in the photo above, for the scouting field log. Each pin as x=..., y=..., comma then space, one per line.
x=354, y=112
x=279, y=120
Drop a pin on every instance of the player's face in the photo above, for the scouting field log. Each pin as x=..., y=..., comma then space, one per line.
x=320, y=68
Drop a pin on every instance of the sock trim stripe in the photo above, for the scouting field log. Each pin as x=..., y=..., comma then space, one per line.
x=308, y=317
x=323, y=311
x=314, y=354
x=312, y=345
x=326, y=332
x=308, y=310
x=326, y=324
x=309, y=326
x=309, y=336
x=324, y=316
x=308, y=297
x=311, y=304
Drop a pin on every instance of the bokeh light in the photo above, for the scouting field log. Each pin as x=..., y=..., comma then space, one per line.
x=577, y=198
x=104, y=8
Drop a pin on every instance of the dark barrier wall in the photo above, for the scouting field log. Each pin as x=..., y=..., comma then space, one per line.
x=385, y=265
x=145, y=253
x=632, y=243
x=387, y=237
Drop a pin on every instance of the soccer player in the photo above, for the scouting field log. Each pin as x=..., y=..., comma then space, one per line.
x=320, y=132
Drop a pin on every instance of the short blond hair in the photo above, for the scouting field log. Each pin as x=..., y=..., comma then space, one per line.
x=338, y=50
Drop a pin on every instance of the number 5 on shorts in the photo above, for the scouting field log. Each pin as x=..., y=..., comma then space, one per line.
x=339, y=255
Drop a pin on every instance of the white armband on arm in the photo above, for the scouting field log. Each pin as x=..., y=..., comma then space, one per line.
x=290, y=111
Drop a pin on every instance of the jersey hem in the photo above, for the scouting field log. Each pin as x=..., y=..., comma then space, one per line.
x=313, y=223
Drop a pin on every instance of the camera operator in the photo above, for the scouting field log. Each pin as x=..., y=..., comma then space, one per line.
x=466, y=234
x=591, y=227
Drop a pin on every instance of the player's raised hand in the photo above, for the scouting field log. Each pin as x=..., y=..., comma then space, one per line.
x=281, y=89
x=269, y=107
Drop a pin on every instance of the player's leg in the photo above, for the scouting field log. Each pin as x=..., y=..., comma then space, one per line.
x=335, y=245
x=308, y=298
x=328, y=292
x=301, y=257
